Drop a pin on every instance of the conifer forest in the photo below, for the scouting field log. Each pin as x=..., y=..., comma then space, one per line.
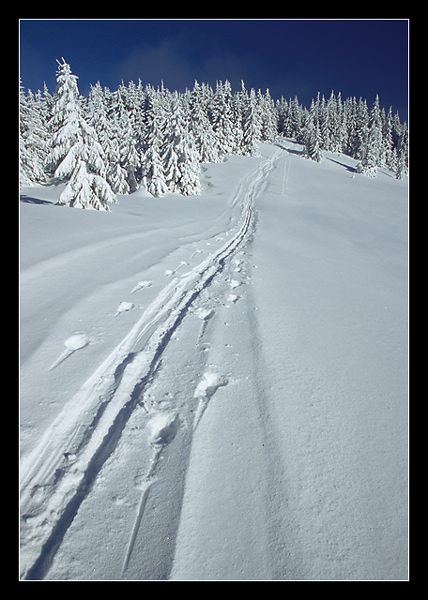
x=112, y=142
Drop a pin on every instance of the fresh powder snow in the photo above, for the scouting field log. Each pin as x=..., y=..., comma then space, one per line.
x=214, y=386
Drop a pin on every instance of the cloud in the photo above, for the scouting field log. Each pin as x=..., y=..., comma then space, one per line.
x=181, y=58
x=168, y=60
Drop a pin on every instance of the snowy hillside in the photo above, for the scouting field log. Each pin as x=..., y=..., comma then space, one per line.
x=215, y=386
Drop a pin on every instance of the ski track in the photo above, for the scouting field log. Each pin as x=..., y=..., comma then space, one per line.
x=59, y=473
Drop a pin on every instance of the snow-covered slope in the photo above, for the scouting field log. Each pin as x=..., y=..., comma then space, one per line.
x=215, y=387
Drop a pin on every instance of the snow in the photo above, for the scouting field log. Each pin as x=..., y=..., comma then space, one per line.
x=232, y=399
x=163, y=427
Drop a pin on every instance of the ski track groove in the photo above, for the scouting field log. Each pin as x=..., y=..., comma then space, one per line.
x=52, y=486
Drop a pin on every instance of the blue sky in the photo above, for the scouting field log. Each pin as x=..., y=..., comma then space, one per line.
x=356, y=57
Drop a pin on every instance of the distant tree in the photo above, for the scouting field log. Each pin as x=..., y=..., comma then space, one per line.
x=402, y=155
x=371, y=147
x=206, y=143
x=268, y=117
x=154, y=173
x=25, y=158
x=221, y=118
x=312, y=137
x=189, y=166
x=250, y=129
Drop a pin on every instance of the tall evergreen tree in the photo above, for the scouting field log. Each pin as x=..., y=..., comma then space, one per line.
x=221, y=118
x=249, y=125
x=25, y=158
x=370, y=150
x=75, y=153
x=312, y=138
x=206, y=143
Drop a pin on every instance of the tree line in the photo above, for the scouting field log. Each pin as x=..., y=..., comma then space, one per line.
x=113, y=142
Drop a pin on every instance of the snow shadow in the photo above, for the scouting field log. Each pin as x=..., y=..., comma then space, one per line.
x=290, y=150
x=347, y=167
x=30, y=200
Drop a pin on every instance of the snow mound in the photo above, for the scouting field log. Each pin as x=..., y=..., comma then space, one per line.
x=73, y=343
x=142, y=284
x=123, y=307
x=209, y=384
x=163, y=427
x=234, y=283
x=76, y=342
x=233, y=298
x=205, y=313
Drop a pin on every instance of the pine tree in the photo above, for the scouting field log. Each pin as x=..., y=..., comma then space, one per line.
x=249, y=125
x=221, y=118
x=312, y=137
x=206, y=143
x=117, y=179
x=402, y=155
x=387, y=146
x=296, y=115
x=25, y=169
x=129, y=158
x=75, y=152
x=361, y=130
x=281, y=111
x=370, y=150
x=173, y=132
x=268, y=118
x=154, y=173
x=189, y=167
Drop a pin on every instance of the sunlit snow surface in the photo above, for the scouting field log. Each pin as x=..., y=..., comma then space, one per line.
x=215, y=386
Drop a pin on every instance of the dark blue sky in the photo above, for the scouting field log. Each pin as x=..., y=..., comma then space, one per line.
x=355, y=57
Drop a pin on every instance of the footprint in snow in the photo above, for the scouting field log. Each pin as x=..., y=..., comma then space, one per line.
x=204, y=313
x=205, y=389
x=209, y=384
x=140, y=285
x=73, y=343
x=234, y=283
x=163, y=428
x=169, y=272
x=123, y=307
x=233, y=298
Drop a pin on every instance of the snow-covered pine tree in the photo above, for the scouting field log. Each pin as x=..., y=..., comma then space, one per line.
x=151, y=163
x=206, y=143
x=189, y=167
x=386, y=148
x=361, y=129
x=402, y=154
x=25, y=169
x=268, y=117
x=38, y=135
x=129, y=158
x=173, y=132
x=281, y=112
x=66, y=113
x=117, y=178
x=370, y=150
x=33, y=137
x=221, y=118
x=116, y=174
x=180, y=159
x=296, y=116
x=97, y=118
x=75, y=152
x=333, y=123
x=154, y=173
x=250, y=129
x=312, y=138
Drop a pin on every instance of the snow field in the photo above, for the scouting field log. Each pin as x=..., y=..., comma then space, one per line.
x=247, y=418
x=110, y=392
